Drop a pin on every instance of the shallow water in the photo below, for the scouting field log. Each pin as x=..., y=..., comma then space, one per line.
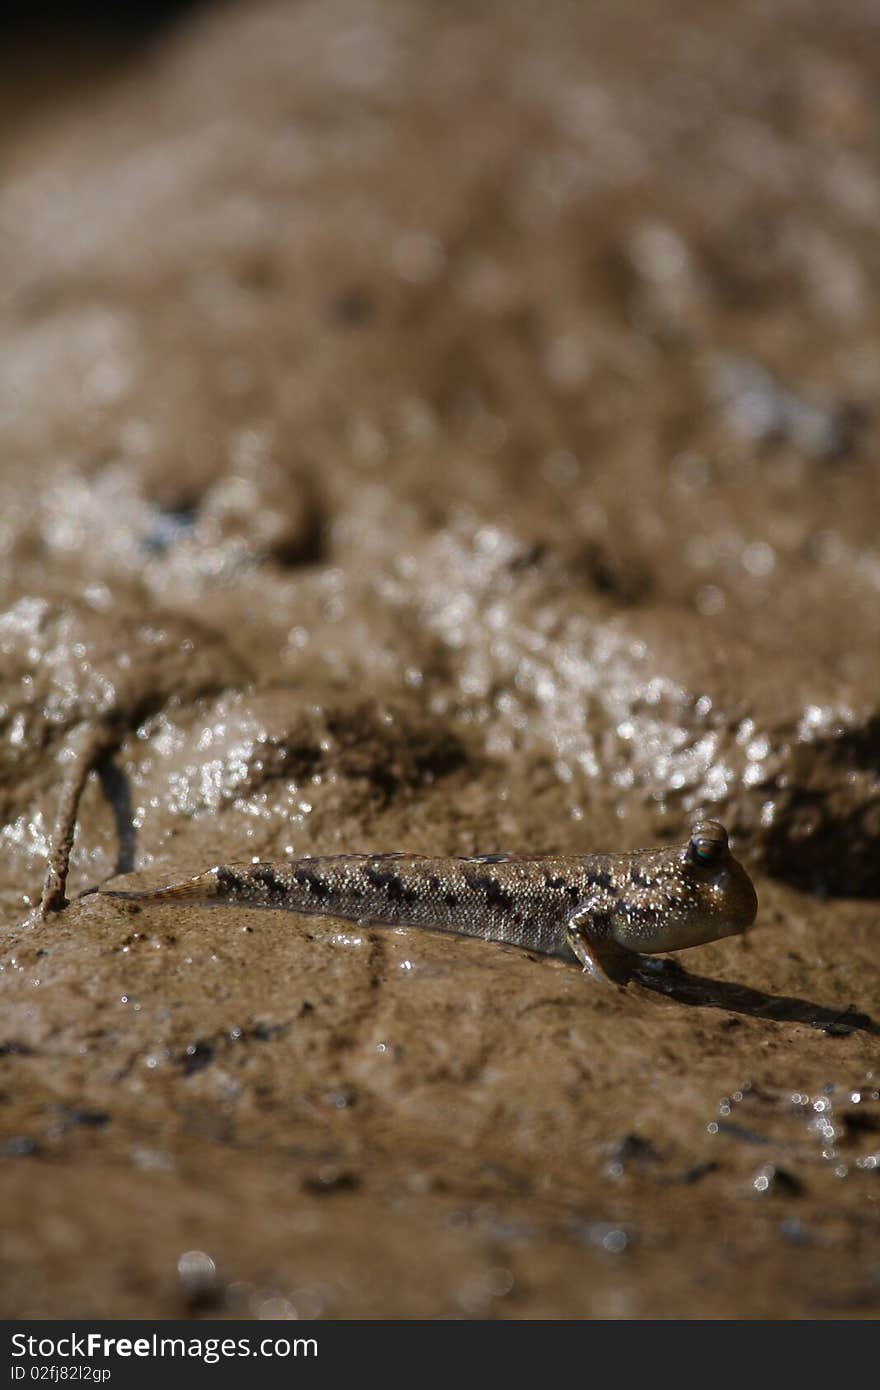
x=452, y=454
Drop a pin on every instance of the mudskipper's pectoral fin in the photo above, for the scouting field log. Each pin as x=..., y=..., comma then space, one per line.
x=587, y=935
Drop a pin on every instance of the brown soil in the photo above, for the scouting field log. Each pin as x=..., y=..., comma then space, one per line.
x=443, y=428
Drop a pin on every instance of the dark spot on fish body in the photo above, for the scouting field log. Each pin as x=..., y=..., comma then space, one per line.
x=395, y=888
x=409, y=892
x=552, y=882
x=496, y=895
x=315, y=885
x=451, y=899
x=603, y=880
x=229, y=881
x=274, y=886
x=639, y=879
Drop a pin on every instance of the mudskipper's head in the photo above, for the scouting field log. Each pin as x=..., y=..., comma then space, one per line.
x=683, y=896
x=722, y=894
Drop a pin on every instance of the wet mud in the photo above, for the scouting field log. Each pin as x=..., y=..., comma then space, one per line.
x=449, y=430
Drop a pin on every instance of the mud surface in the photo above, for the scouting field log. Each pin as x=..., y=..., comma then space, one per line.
x=445, y=428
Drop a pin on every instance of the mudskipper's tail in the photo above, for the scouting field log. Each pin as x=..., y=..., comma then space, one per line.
x=202, y=889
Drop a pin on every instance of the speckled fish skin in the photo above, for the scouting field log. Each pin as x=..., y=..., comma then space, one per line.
x=645, y=901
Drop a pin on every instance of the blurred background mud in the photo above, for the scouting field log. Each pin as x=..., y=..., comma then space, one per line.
x=450, y=428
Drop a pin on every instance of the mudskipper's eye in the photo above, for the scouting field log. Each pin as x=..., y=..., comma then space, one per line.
x=704, y=851
x=708, y=844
